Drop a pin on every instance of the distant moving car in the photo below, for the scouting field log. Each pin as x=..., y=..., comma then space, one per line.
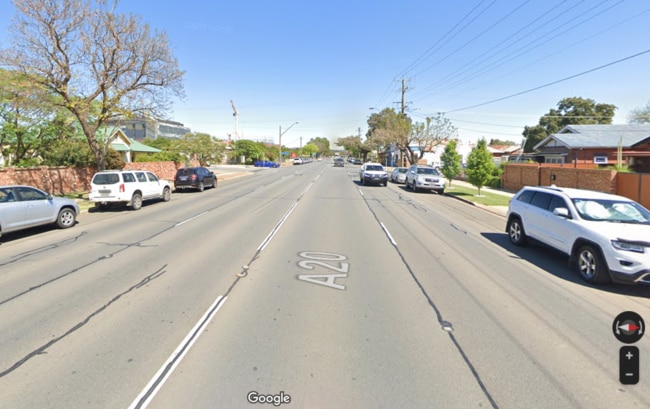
x=339, y=162
x=420, y=177
x=22, y=207
x=130, y=187
x=197, y=178
x=355, y=161
x=607, y=237
x=398, y=175
x=266, y=164
x=373, y=174
x=298, y=161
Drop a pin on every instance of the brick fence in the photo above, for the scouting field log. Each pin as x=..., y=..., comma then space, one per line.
x=62, y=179
x=517, y=176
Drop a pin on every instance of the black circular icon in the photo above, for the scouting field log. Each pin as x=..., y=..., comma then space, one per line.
x=628, y=327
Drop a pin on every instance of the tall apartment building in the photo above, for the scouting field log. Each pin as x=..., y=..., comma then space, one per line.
x=141, y=128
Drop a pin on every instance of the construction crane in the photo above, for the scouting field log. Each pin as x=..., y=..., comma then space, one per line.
x=235, y=114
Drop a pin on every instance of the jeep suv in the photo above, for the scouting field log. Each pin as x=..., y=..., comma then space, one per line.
x=420, y=177
x=606, y=237
x=129, y=187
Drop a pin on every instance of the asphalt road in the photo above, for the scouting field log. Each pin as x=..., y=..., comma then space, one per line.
x=302, y=284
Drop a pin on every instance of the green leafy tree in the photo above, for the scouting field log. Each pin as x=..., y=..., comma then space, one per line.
x=99, y=63
x=570, y=111
x=309, y=149
x=323, y=145
x=480, y=165
x=114, y=159
x=28, y=121
x=250, y=150
x=389, y=127
x=72, y=152
x=501, y=142
x=355, y=146
x=451, y=161
x=201, y=147
x=640, y=115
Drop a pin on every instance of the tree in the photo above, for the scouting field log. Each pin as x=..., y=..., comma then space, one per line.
x=389, y=127
x=501, y=142
x=100, y=64
x=426, y=136
x=28, y=121
x=451, y=161
x=201, y=147
x=250, y=150
x=479, y=165
x=323, y=145
x=570, y=111
x=310, y=149
x=355, y=146
x=640, y=115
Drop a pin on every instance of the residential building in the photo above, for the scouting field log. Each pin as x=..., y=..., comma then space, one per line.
x=598, y=144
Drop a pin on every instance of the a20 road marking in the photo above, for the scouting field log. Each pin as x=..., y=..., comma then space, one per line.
x=330, y=261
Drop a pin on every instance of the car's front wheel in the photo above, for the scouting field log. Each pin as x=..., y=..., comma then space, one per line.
x=214, y=184
x=591, y=265
x=66, y=218
x=516, y=232
x=136, y=201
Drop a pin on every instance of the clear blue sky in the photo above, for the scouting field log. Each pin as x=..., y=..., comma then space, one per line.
x=324, y=64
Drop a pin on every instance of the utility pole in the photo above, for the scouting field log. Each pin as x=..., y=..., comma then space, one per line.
x=404, y=89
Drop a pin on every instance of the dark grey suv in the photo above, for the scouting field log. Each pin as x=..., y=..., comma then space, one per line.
x=197, y=178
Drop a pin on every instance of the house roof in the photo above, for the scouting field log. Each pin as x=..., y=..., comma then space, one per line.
x=122, y=143
x=598, y=136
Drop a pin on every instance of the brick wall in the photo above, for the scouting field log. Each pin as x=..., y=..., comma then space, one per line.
x=61, y=179
x=516, y=176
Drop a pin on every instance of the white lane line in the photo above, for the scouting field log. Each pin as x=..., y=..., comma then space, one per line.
x=268, y=238
x=190, y=219
x=361, y=191
x=388, y=234
x=154, y=385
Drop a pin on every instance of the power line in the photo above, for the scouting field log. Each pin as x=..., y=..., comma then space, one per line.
x=552, y=83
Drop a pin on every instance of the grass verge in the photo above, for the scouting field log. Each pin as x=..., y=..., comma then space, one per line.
x=486, y=198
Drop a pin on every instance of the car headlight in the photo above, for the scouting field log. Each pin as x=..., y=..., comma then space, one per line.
x=627, y=246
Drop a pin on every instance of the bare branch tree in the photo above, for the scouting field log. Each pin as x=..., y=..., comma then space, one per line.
x=102, y=64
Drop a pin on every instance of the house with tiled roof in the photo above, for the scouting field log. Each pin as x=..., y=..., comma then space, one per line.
x=599, y=145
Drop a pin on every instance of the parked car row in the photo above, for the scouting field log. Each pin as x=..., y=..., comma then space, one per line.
x=301, y=161
x=23, y=207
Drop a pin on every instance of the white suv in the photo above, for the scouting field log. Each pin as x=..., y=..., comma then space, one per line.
x=607, y=237
x=420, y=177
x=129, y=187
x=373, y=173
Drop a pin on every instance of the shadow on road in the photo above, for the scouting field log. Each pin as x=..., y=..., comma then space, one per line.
x=557, y=264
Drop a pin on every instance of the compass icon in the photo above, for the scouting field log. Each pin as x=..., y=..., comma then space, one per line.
x=628, y=327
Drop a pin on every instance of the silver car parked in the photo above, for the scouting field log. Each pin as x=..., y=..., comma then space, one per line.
x=398, y=175
x=23, y=207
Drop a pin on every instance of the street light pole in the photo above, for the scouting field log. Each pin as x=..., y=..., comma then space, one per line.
x=280, y=133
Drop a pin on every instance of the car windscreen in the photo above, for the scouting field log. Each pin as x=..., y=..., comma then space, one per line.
x=428, y=171
x=106, y=178
x=374, y=167
x=402, y=170
x=612, y=211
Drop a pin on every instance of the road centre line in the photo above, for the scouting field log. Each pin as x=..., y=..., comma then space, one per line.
x=190, y=219
x=165, y=371
x=388, y=234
